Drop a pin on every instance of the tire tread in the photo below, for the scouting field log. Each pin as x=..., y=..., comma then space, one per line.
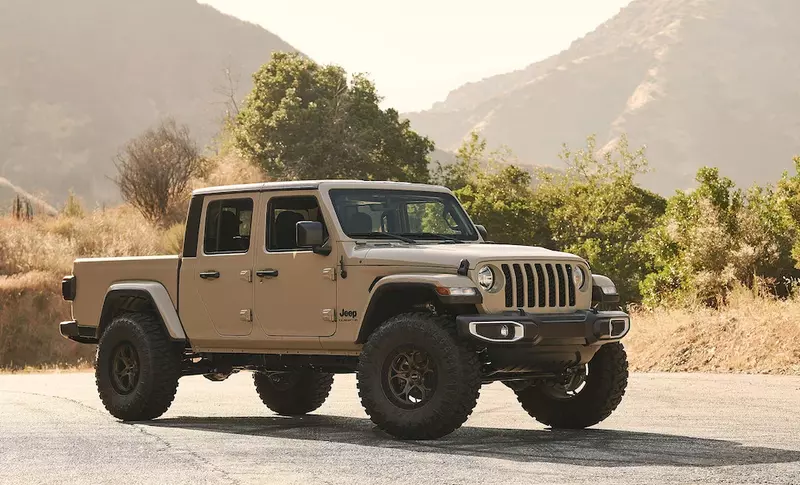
x=310, y=393
x=611, y=369
x=164, y=357
x=463, y=393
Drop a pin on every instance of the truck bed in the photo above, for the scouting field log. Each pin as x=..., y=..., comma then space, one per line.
x=94, y=276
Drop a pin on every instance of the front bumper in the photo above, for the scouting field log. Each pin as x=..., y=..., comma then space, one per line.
x=584, y=327
x=78, y=333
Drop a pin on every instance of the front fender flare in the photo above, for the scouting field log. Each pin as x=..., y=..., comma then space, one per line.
x=432, y=281
x=159, y=298
x=415, y=284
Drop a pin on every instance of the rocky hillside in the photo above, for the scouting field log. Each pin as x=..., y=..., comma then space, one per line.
x=700, y=82
x=81, y=77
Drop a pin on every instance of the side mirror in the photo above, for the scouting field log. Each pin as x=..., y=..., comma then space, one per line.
x=482, y=231
x=310, y=234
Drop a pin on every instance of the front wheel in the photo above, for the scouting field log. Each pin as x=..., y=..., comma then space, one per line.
x=415, y=380
x=587, y=395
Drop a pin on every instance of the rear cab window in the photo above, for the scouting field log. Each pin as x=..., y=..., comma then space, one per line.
x=227, y=226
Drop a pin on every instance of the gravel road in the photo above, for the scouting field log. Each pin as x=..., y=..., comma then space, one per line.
x=670, y=428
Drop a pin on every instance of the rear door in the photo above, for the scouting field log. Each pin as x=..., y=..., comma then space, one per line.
x=223, y=271
x=295, y=289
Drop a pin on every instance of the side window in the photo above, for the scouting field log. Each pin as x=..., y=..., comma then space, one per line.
x=228, y=226
x=283, y=214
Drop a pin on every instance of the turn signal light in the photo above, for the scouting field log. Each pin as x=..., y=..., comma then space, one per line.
x=445, y=291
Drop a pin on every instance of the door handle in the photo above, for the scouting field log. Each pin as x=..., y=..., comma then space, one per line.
x=267, y=273
x=209, y=275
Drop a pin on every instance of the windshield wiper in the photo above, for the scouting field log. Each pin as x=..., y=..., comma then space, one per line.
x=440, y=237
x=387, y=235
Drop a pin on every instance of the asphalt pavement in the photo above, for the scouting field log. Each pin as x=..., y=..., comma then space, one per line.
x=670, y=428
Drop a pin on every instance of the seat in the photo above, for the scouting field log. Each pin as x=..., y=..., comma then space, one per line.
x=286, y=229
x=229, y=232
x=359, y=223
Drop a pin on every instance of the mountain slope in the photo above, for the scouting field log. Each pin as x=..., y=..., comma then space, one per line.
x=80, y=78
x=700, y=82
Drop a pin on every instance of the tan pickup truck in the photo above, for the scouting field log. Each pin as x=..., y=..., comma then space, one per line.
x=297, y=281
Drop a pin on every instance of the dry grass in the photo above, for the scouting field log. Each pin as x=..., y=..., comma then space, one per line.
x=51, y=244
x=35, y=255
x=229, y=169
x=751, y=334
x=30, y=309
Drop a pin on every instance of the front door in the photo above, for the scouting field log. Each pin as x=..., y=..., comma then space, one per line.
x=223, y=270
x=295, y=291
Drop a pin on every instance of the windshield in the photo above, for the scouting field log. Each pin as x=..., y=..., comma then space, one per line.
x=402, y=214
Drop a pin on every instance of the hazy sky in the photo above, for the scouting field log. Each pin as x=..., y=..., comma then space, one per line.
x=417, y=51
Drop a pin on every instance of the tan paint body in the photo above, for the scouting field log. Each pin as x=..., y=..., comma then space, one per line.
x=300, y=310
x=96, y=275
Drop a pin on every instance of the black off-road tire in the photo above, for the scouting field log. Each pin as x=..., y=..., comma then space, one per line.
x=158, y=362
x=293, y=393
x=605, y=385
x=458, y=377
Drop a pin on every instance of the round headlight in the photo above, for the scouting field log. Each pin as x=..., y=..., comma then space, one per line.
x=578, y=277
x=486, y=278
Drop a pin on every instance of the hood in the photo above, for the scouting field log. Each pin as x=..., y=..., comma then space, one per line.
x=450, y=255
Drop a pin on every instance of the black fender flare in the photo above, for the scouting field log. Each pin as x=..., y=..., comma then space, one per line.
x=154, y=294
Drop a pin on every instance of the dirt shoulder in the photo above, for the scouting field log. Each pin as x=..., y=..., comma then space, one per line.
x=750, y=335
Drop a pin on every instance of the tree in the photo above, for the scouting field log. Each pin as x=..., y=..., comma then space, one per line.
x=307, y=121
x=468, y=159
x=494, y=191
x=718, y=236
x=501, y=199
x=73, y=206
x=595, y=209
x=155, y=168
x=787, y=197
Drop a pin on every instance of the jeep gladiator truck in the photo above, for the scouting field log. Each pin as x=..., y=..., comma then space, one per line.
x=298, y=281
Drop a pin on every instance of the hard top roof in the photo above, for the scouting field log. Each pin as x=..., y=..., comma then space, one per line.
x=317, y=184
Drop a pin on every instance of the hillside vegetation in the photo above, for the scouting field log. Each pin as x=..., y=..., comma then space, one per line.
x=81, y=77
x=700, y=270
x=700, y=82
x=35, y=254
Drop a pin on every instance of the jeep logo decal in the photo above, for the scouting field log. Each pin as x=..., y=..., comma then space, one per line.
x=347, y=315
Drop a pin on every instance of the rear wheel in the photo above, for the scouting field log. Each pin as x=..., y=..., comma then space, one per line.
x=137, y=367
x=586, y=396
x=415, y=380
x=293, y=393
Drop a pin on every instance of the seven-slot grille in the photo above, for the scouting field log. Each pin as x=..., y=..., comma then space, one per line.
x=541, y=285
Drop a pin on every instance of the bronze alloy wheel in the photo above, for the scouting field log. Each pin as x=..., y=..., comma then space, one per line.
x=124, y=368
x=416, y=379
x=410, y=378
